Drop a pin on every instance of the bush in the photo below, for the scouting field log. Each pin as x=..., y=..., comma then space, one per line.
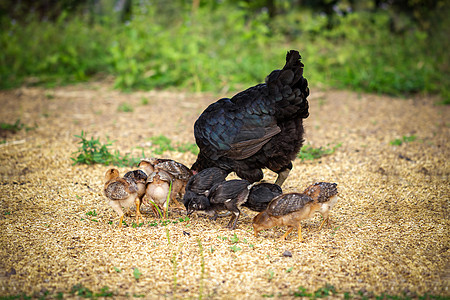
x=163, y=46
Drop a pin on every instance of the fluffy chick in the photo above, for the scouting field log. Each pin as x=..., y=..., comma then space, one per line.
x=200, y=184
x=261, y=195
x=325, y=194
x=121, y=192
x=157, y=189
x=179, y=173
x=140, y=178
x=225, y=196
x=286, y=210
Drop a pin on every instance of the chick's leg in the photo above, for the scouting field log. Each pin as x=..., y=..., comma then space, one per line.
x=120, y=221
x=117, y=207
x=326, y=218
x=287, y=233
x=300, y=238
x=138, y=210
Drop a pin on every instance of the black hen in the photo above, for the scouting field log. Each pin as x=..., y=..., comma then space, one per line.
x=261, y=195
x=261, y=127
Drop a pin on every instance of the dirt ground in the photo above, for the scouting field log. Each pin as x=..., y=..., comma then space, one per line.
x=59, y=238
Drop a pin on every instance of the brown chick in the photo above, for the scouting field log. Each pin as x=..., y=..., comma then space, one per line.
x=121, y=192
x=140, y=178
x=157, y=189
x=179, y=173
x=286, y=210
x=325, y=194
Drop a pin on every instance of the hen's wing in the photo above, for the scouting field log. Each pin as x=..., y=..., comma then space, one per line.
x=287, y=203
x=233, y=130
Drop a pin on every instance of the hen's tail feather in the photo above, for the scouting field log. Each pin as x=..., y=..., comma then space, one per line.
x=289, y=88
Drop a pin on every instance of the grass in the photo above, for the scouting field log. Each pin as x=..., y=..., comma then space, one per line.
x=202, y=269
x=136, y=273
x=323, y=292
x=15, y=127
x=404, y=139
x=125, y=107
x=92, y=151
x=307, y=152
x=161, y=144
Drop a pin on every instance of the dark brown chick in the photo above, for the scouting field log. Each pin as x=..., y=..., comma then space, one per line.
x=121, y=192
x=178, y=172
x=286, y=210
x=325, y=194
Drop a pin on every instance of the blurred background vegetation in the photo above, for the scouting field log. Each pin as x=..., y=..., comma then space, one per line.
x=397, y=47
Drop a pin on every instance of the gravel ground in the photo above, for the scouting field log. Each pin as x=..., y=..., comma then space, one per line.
x=389, y=232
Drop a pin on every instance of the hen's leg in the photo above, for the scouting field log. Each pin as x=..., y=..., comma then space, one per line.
x=287, y=233
x=283, y=174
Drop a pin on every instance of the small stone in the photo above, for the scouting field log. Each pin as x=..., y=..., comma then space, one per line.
x=287, y=253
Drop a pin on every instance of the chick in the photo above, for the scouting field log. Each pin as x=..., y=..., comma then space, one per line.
x=140, y=178
x=286, y=210
x=121, y=192
x=201, y=183
x=157, y=189
x=324, y=193
x=225, y=196
x=261, y=195
x=178, y=173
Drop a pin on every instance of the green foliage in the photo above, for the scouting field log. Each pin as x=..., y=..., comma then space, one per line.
x=125, y=107
x=94, y=152
x=136, y=273
x=161, y=143
x=83, y=292
x=271, y=274
x=234, y=239
x=404, y=139
x=17, y=126
x=235, y=248
x=168, y=45
x=308, y=152
x=202, y=269
x=91, y=213
x=188, y=147
x=322, y=292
